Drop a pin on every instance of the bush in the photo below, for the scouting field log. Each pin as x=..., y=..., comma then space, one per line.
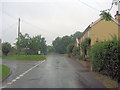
x=85, y=45
x=105, y=58
x=6, y=47
x=76, y=51
x=69, y=49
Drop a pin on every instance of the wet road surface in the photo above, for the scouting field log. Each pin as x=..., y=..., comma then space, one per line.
x=17, y=67
x=56, y=72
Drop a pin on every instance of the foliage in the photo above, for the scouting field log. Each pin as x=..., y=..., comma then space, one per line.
x=50, y=49
x=106, y=15
x=60, y=44
x=85, y=45
x=75, y=35
x=31, y=45
x=13, y=51
x=105, y=58
x=70, y=49
x=76, y=51
x=6, y=47
x=0, y=53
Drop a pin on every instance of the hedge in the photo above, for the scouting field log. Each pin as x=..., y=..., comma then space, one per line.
x=105, y=58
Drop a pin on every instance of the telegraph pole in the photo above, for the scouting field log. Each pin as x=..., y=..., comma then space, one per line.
x=18, y=29
x=18, y=34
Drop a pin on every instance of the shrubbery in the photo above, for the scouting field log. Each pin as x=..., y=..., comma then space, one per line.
x=85, y=45
x=105, y=58
x=70, y=49
x=76, y=51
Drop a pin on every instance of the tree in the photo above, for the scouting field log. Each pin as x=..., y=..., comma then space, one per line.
x=31, y=45
x=60, y=44
x=75, y=35
x=6, y=47
x=50, y=49
x=106, y=15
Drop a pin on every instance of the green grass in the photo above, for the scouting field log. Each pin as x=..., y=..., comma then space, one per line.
x=26, y=57
x=107, y=81
x=4, y=71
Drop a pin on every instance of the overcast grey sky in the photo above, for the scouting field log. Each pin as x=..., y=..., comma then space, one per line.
x=50, y=18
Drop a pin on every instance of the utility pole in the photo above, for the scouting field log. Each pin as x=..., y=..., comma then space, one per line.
x=18, y=29
x=18, y=34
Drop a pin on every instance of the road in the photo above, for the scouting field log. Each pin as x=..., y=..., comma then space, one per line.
x=56, y=72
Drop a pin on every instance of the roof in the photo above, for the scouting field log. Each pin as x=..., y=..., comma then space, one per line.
x=93, y=23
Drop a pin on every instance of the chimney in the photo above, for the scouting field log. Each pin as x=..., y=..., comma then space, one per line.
x=117, y=16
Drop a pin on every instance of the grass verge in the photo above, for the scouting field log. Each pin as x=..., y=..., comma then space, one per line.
x=26, y=57
x=108, y=82
x=64, y=54
x=4, y=71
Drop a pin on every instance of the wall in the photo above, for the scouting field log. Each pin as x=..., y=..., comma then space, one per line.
x=103, y=31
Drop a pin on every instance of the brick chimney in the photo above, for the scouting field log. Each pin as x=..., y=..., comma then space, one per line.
x=117, y=16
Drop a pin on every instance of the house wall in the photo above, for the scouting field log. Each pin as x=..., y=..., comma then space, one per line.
x=102, y=31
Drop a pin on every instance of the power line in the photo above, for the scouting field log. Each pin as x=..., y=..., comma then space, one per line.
x=29, y=23
x=89, y=5
x=41, y=29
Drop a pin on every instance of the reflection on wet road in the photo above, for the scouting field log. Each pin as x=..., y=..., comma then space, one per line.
x=56, y=72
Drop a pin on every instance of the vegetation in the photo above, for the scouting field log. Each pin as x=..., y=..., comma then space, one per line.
x=50, y=49
x=85, y=45
x=106, y=15
x=31, y=45
x=60, y=44
x=4, y=71
x=108, y=82
x=26, y=57
x=76, y=51
x=70, y=49
x=105, y=58
x=0, y=53
x=6, y=47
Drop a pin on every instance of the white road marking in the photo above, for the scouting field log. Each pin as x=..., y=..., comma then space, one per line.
x=17, y=78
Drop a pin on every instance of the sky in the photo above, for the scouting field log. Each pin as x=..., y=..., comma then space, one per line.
x=49, y=18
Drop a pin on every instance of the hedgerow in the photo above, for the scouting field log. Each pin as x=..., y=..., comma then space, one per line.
x=105, y=58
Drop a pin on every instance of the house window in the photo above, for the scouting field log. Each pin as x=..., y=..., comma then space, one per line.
x=88, y=33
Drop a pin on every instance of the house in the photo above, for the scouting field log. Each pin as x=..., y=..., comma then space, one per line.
x=101, y=30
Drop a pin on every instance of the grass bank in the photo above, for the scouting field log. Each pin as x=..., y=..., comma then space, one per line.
x=4, y=71
x=108, y=82
x=26, y=57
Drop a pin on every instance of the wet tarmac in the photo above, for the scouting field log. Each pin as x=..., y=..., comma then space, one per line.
x=56, y=72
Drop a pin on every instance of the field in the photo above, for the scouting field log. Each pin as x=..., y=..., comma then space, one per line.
x=4, y=71
x=26, y=57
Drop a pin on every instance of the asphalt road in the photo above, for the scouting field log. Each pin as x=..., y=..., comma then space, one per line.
x=56, y=72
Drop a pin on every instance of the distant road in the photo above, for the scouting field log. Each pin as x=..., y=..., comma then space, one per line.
x=56, y=72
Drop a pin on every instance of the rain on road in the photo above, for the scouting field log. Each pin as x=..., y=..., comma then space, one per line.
x=56, y=72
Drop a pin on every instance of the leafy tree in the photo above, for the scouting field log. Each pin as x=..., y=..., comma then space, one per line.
x=106, y=15
x=50, y=49
x=6, y=47
x=75, y=35
x=31, y=45
x=60, y=44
